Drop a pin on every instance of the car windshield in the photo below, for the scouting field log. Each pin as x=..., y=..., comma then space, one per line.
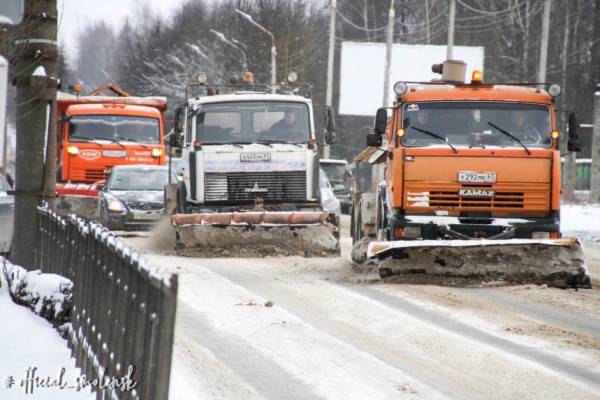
x=85, y=128
x=335, y=172
x=253, y=122
x=139, y=179
x=476, y=124
x=323, y=181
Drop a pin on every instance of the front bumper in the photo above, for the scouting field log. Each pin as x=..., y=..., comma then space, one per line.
x=132, y=220
x=444, y=227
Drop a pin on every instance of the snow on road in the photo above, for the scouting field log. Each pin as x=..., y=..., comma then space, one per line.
x=29, y=341
x=291, y=327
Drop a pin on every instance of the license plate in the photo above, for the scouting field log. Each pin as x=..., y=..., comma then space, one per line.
x=255, y=157
x=476, y=177
x=476, y=193
x=152, y=216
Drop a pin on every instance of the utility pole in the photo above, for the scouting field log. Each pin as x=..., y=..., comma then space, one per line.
x=388, y=55
x=4, y=34
x=330, y=59
x=544, y=42
x=450, y=45
x=35, y=58
x=595, y=189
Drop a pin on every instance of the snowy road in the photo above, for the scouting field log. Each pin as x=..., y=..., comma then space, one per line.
x=278, y=328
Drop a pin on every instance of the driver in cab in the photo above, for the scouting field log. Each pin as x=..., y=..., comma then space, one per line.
x=288, y=128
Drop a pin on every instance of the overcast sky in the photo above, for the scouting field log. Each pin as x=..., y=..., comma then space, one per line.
x=74, y=15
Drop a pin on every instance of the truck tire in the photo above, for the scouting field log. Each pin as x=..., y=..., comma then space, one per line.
x=181, y=199
x=357, y=232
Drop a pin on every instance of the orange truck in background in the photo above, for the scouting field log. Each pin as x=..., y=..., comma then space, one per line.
x=97, y=132
x=471, y=185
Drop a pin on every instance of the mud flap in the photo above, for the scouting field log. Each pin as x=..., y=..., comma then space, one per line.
x=247, y=234
x=555, y=262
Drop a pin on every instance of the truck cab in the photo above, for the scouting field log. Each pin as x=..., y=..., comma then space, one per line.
x=245, y=150
x=95, y=133
x=469, y=161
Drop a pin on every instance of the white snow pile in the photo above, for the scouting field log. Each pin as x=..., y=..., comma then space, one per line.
x=581, y=220
x=48, y=295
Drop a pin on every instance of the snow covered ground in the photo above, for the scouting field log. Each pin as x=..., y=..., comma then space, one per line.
x=581, y=220
x=27, y=342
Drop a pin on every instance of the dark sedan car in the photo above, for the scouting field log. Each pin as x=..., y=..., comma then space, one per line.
x=133, y=197
x=7, y=207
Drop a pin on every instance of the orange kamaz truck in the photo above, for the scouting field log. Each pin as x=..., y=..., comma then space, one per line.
x=471, y=184
x=96, y=133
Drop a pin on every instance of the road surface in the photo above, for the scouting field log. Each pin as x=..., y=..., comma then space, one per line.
x=295, y=328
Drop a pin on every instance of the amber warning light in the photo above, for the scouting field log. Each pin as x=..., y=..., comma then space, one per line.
x=476, y=77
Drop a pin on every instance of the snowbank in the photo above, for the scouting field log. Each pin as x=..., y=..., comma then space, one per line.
x=580, y=220
x=48, y=295
x=31, y=344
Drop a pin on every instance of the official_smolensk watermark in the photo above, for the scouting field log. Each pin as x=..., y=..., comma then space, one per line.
x=33, y=380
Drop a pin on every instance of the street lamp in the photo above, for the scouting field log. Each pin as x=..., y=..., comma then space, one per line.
x=273, y=48
x=233, y=44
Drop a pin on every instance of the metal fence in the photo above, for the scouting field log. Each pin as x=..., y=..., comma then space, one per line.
x=123, y=313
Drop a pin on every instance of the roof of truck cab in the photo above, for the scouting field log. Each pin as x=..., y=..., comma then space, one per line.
x=249, y=96
x=112, y=109
x=483, y=92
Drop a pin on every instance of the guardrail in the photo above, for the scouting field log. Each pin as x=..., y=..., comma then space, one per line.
x=123, y=313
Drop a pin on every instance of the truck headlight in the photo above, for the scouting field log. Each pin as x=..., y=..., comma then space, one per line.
x=73, y=150
x=411, y=232
x=156, y=152
x=540, y=235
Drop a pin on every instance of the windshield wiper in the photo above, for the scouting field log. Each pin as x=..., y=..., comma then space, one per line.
x=128, y=139
x=90, y=139
x=435, y=135
x=510, y=135
x=269, y=142
x=237, y=144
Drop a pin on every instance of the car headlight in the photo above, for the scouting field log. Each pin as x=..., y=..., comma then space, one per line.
x=114, y=204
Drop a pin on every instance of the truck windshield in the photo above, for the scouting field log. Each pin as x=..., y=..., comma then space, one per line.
x=477, y=124
x=253, y=122
x=86, y=128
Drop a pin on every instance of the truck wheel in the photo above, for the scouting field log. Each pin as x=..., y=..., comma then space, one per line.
x=380, y=219
x=181, y=199
x=357, y=233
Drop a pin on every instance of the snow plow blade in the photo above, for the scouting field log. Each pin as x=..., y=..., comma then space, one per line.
x=247, y=234
x=555, y=262
x=79, y=199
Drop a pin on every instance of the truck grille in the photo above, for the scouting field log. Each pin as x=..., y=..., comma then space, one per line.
x=452, y=199
x=508, y=196
x=144, y=206
x=94, y=174
x=247, y=186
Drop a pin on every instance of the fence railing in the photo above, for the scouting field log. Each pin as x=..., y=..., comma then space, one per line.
x=123, y=313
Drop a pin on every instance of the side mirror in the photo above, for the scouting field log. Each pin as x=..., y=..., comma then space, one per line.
x=374, y=139
x=574, y=143
x=180, y=119
x=175, y=139
x=329, y=125
x=381, y=121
